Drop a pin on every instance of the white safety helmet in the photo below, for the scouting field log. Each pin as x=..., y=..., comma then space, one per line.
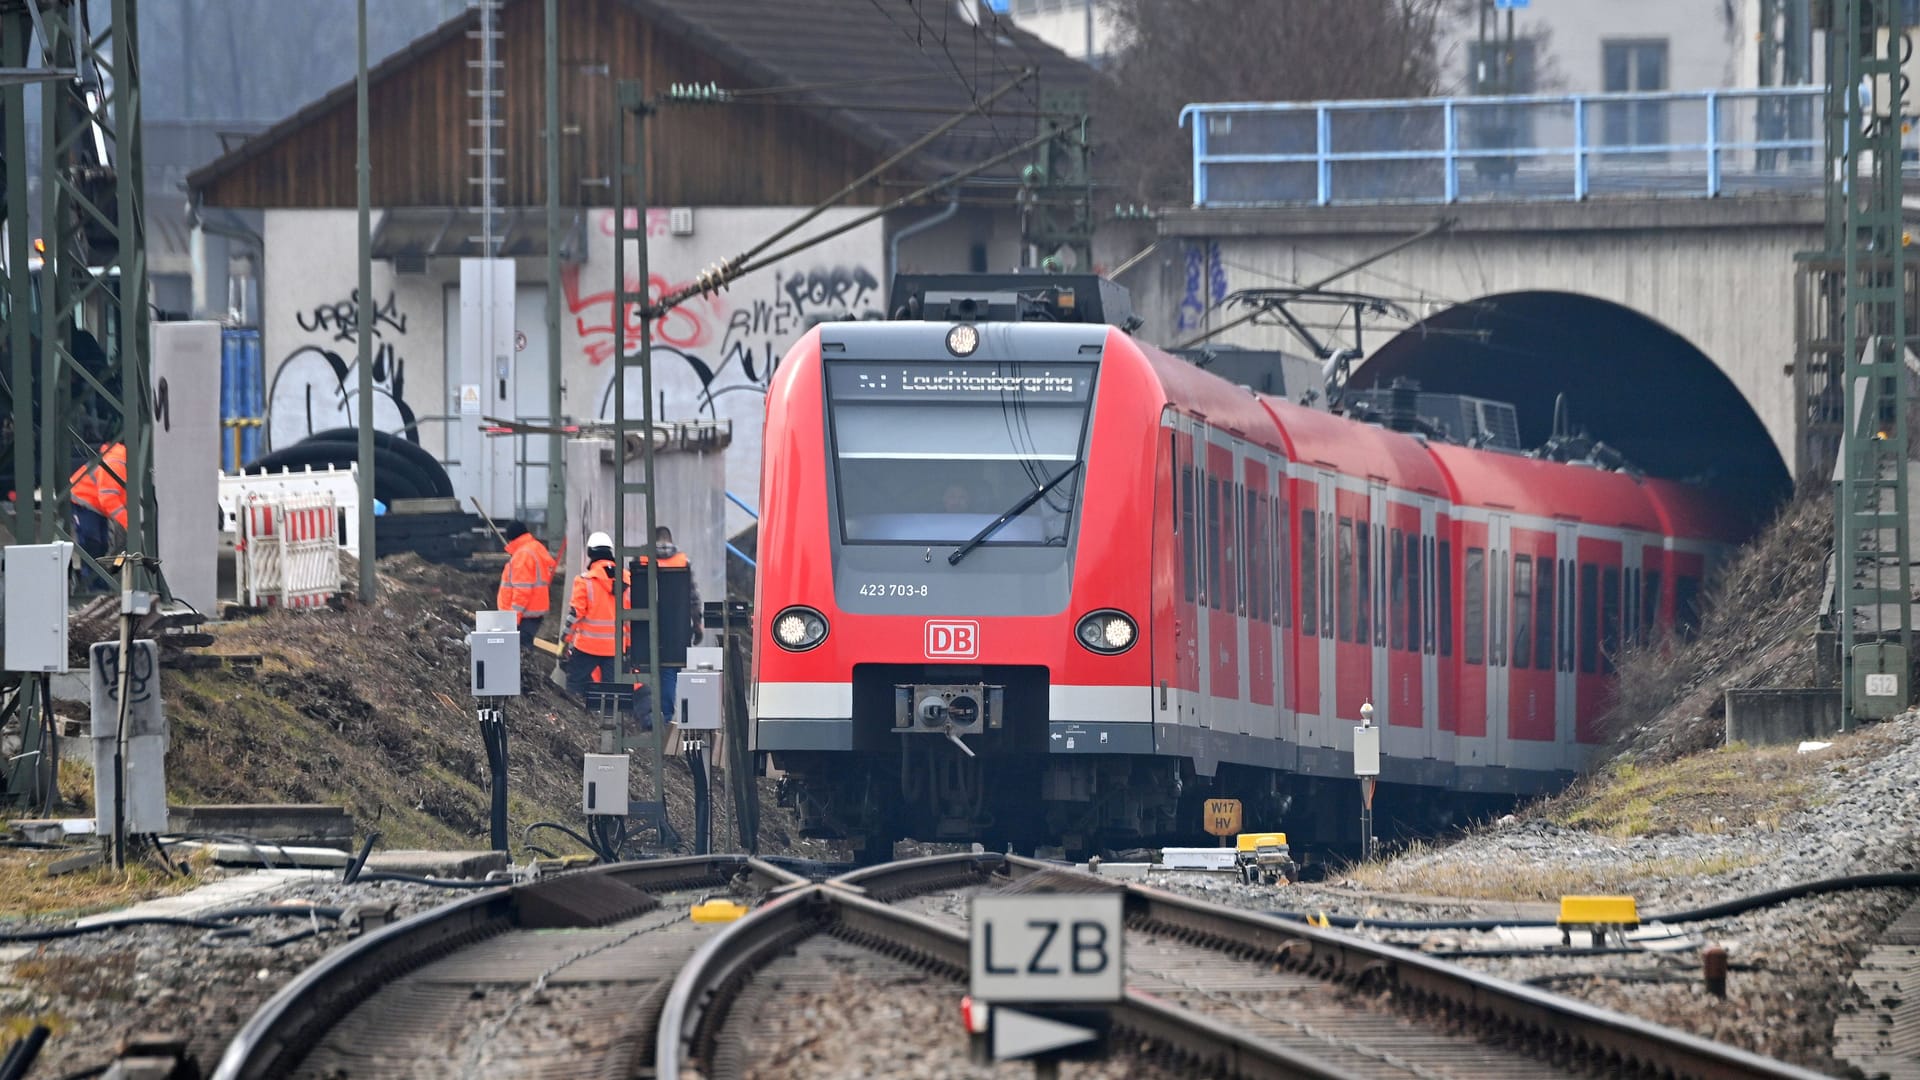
x=599, y=539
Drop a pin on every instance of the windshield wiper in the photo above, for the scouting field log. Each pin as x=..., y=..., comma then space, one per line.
x=1026, y=502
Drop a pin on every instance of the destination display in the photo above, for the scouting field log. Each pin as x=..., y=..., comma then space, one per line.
x=1064, y=384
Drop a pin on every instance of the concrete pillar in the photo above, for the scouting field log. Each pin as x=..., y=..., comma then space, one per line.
x=186, y=458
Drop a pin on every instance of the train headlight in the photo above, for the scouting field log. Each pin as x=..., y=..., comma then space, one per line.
x=962, y=340
x=798, y=629
x=1109, y=632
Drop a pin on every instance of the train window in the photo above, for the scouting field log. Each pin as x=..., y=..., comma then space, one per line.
x=1213, y=543
x=1185, y=527
x=1497, y=607
x=1256, y=556
x=1263, y=516
x=1237, y=549
x=1397, y=576
x=1329, y=571
x=1414, y=596
x=1649, y=606
x=1568, y=619
x=1543, y=621
x=1344, y=583
x=1443, y=568
x=1630, y=606
x=1589, y=618
x=1476, y=586
x=1281, y=560
x=1609, y=618
x=1309, y=577
x=1686, y=605
x=1363, y=625
x=1380, y=616
x=1189, y=543
x=922, y=459
x=1522, y=610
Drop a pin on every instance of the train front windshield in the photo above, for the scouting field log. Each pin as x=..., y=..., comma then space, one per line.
x=933, y=453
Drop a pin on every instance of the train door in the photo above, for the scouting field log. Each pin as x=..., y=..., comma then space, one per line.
x=1565, y=544
x=1280, y=616
x=1599, y=603
x=1262, y=714
x=1186, y=630
x=1380, y=692
x=1630, y=577
x=1303, y=518
x=1499, y=604
x=1424, y=585
x=1200, y=631
x=1240, y=600
x=1222, y=640
x=1328, y=705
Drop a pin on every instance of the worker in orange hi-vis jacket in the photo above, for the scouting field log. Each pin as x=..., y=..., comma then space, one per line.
x=526, y=583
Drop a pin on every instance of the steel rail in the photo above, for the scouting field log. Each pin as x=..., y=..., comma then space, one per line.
x=1431, y=985
x=698, y=1001
x=911, y=877
x=283, y=1030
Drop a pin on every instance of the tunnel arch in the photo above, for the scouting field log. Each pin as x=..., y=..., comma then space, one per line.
x=1628, y=380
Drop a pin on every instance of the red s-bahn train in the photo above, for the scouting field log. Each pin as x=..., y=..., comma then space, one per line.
x=1024, y=578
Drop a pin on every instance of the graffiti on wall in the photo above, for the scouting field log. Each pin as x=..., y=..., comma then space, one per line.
x=1205, y=287
x=316, y=389
x=728, y=342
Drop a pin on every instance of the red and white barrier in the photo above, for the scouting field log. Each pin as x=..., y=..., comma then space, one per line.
x=342, y=484
x=288, y=551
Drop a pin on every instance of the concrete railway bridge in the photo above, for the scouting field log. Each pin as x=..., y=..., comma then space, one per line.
x=1662, y=293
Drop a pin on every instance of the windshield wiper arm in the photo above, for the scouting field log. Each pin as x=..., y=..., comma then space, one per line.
x=1014, y=511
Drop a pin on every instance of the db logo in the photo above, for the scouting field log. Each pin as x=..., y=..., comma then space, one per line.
x=953, y=640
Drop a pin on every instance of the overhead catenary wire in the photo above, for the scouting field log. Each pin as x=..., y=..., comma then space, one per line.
x=1434, y=229
x=899, y=156
x=727, y=273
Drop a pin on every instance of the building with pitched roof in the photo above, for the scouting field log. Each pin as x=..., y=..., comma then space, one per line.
x=826, y=90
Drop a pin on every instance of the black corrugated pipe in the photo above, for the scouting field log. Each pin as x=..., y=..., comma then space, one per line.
x=21, y=1057
x=359, y=862
x=1726, y=909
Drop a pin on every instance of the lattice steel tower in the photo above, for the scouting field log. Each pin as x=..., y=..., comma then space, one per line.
x=1866, y=243
x=77, y=327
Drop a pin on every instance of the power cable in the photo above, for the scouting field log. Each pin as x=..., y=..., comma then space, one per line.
x=1726, y=909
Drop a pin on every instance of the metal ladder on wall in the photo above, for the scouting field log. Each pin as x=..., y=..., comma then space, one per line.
x=485, y=153
x=631, y=432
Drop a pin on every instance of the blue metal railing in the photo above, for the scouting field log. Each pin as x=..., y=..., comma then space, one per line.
x=752, y=513
x=1701, y=143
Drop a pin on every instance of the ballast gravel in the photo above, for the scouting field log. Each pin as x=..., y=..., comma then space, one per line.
x=99, y=988
x=1790, y=962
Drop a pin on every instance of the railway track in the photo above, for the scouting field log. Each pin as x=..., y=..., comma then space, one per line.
x=560, y=977
x=1211, y=990
x=601, y=973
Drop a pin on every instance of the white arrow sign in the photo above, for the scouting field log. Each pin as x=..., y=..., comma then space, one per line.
x=1019, y=1035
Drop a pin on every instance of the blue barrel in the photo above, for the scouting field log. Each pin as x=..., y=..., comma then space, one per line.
x=242, y=396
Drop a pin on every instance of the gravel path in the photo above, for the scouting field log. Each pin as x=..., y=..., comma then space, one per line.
x=97, y=989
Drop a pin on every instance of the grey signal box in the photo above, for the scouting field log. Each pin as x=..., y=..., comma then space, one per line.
x=603, y=785
x=1879, y=681
x=699, y=693
x=36, y=606
x=494, y=648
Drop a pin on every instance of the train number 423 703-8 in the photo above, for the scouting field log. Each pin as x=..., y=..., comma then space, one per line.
x=883, y=589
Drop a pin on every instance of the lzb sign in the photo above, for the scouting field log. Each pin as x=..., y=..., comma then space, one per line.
x=1039, y=948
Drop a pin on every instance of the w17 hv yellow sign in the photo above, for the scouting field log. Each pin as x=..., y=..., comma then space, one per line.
x=1223, y=817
